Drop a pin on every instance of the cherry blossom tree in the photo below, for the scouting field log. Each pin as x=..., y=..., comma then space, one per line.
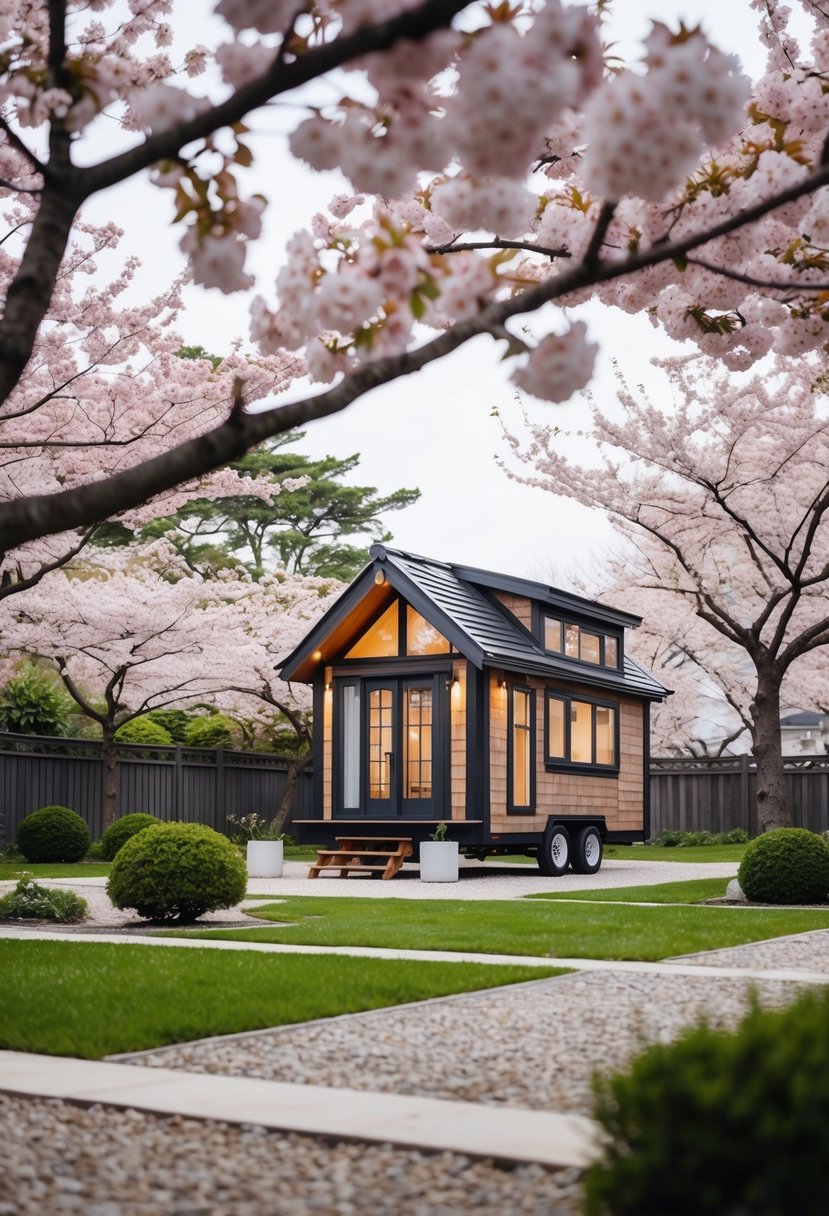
x=725, y=498
x=673, y=187
x=104, y=388
x=128, y=634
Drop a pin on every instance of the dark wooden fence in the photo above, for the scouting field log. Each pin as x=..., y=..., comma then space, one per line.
x=718, y=795
x=190, y=783
x=205, y=786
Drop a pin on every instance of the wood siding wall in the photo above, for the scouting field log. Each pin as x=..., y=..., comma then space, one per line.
x=619, y=799
x=520, y=607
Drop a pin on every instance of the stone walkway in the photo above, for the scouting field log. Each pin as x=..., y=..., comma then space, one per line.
x=473, y=1064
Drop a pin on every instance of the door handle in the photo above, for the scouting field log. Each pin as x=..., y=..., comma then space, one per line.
x=390, y=758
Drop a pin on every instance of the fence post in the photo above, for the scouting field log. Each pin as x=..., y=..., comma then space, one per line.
x=744, y=803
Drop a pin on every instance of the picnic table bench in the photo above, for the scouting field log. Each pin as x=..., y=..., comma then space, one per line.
x=363, y=855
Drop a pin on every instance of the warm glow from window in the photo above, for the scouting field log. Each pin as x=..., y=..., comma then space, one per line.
x=381, y=640
x=421, y=637
x=555, y=728
x=605, y=734
x=581, y=733
x=521, y=747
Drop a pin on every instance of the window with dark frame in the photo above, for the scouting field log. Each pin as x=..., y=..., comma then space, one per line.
x=577, y=642
x=581, y=732
x=521, y=757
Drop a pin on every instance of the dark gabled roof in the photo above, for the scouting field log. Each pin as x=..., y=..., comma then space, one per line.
x=457, y=601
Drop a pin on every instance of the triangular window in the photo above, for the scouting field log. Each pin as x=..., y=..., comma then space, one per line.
x=381, y=641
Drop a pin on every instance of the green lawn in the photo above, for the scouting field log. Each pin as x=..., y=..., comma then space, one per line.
x=11, y=870
x=91, y=1000
x=642, y=852
x=690, y=892
x=545, y=929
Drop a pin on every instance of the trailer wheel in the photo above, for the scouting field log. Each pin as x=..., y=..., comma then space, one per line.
x=553, y=855
x=587, y=851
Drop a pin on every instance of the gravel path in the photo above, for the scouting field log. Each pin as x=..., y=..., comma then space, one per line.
x=534, y=1046
x=99, y=1162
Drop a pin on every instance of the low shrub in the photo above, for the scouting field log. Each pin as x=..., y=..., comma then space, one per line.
x=117, y=835
x=30, y=901
x=177, y=871
x=786, y=866
x=720, y=1122
x=54, y=833
x=144, y=730
x=32, y=704
x=670, y=838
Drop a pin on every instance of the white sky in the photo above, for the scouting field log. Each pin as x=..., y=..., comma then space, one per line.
x=433, y=430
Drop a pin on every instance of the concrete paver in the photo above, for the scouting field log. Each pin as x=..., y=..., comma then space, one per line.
x=405, y=1121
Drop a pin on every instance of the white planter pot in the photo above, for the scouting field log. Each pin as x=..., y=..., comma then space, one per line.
x=264, y=859
x=439, y=861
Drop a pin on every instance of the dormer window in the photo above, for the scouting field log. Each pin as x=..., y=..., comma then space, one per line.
x=578, y=642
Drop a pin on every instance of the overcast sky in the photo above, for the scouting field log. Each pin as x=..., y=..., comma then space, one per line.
x=434, y=430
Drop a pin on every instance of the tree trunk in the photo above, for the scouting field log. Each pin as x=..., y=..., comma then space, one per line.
x=109, y=778
x=284, y=811
x=774, y=808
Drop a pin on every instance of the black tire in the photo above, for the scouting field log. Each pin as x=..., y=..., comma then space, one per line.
x=587, y=851
x=553, y=855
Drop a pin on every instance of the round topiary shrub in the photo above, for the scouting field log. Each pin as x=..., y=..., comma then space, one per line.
x=54, y=833
x=177, y=871
x=144, y=730
x=116, y=836
x=786, y=866
x=720, y=1123
x=213, y=731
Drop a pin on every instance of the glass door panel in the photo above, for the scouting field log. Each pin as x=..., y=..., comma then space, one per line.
x=417, y=743
x=380, y=744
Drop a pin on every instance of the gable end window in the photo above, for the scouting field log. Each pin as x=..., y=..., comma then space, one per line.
x=577, y=642
x=581, y=732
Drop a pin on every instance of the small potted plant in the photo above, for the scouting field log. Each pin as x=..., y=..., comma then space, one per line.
x=263, y=852
x=439, y=857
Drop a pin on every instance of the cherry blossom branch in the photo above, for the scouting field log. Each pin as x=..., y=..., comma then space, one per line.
x=751, y=280
x=497, y=242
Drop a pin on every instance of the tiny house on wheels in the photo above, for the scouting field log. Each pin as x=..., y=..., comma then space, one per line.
x=503, y=707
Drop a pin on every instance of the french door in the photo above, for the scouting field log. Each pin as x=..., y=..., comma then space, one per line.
x=398, y=762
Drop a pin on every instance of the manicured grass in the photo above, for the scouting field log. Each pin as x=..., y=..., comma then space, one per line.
x=644, y=852
x=91, y=1000
x=548, y=929
x=10, y=870
x=691, y=892
x=694, y=852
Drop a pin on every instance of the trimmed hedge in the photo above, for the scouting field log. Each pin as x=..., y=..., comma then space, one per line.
x=720, y=1123
x=786, y=866
x=177, y=871
x=117, y=835
x=54, y=833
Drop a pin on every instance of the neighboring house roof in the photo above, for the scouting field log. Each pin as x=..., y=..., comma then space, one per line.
x=804, y=719
x=458, y=601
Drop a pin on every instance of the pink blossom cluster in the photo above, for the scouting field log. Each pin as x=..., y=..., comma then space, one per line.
x=559, y=366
